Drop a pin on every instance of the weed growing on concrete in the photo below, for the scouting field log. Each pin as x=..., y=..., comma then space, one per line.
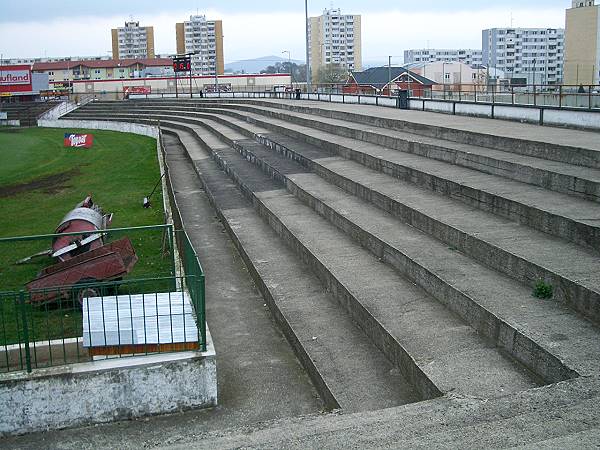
x=543, y=290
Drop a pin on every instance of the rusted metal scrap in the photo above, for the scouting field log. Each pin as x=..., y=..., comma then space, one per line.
x=82, y=259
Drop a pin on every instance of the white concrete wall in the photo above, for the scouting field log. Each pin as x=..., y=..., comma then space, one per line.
x=237, y=82
x=583, y=119
x=473, y=110
x=11, y=122
x=107, y=390
x=517, y=113
x=436, y=106
x=124, y=127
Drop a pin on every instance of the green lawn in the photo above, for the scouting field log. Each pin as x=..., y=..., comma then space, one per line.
x=40, y=181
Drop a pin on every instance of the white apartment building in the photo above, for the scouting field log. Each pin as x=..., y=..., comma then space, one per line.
x=204, y=38
x=335, y=38
x=132, y=41
x=428, y=55
x=533, y=55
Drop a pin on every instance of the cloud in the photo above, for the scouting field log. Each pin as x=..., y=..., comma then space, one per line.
x=248, y=35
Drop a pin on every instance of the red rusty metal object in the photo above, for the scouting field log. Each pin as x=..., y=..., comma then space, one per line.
x=83, y=258
x=109, y=262
x=86, y=217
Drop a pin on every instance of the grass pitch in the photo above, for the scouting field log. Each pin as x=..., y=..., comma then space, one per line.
x=41, y=180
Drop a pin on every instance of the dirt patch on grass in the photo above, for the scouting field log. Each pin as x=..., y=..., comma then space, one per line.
x=50, y=184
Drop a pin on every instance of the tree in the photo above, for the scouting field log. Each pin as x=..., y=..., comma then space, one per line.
x=332, y=74
x=298, y=71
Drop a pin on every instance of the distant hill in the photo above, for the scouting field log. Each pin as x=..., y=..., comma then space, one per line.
x=256, y=65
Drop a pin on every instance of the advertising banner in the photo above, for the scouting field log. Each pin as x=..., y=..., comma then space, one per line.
x=78, y=140
x=137, y=89
x=15, y=78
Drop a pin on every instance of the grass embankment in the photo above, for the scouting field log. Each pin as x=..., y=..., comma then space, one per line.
x=40, y=181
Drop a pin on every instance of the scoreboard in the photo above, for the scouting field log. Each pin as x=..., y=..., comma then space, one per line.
x=182, y=63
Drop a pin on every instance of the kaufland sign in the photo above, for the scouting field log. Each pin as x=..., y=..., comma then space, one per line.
x=15, y=78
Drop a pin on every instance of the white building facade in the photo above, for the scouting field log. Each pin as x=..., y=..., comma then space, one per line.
x=204, y=38
x=335, y=38
x=132, y=41
x=429, y=55
x=531, y=55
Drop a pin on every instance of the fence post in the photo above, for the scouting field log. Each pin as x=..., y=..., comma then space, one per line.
x=590, y=97
x=560, y=96
x=25, y=330
x=202, y=318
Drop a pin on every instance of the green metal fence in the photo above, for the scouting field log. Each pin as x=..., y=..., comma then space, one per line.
x=113, y=318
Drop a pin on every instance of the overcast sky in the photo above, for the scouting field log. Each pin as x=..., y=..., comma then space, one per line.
x=265, y=27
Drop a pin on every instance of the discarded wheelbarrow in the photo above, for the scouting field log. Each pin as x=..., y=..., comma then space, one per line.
x=83, y=259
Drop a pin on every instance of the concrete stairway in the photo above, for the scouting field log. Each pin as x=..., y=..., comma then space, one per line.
x=26, y=112
x=564, y=415
x=400, y=264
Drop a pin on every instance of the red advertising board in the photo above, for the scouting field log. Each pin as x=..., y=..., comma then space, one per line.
x=137, y=89
x=15, y=78
x=78, y=140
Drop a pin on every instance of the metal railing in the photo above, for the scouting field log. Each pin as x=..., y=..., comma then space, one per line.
x=157, y=310
x=549, y=96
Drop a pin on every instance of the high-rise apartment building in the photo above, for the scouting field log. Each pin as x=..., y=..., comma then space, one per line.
x=429, y=55
x=534, y=55
x=204, y=38
x=334, y=38
x=582, y=43
x=132, y=41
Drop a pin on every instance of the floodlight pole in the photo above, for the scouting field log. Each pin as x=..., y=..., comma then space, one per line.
x=307, y=49
x=176, y=89
x=190, y=55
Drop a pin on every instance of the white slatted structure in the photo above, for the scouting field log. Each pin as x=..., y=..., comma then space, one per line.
x=141, y=319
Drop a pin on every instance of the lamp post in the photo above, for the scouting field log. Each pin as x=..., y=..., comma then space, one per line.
x=389, y=76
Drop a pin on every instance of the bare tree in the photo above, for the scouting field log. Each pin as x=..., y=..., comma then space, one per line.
x=332, y=73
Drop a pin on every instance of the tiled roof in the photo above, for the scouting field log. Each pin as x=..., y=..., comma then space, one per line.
x=379, y=77
x=102, y=64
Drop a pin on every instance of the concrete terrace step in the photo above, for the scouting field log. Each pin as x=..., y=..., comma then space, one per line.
x=448, y=352
x=557, y=342
x=514, y=250
x=559, y=214
x=561, y=177
x=559, y=416
x=517, y=251
x=557, y=144
x=346, y=368
x=551, y=143
x=551, y=212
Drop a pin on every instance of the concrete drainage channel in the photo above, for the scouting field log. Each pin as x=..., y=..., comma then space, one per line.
x=313, y=213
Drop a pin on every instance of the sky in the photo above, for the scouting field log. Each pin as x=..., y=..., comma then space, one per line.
x=265, y=27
